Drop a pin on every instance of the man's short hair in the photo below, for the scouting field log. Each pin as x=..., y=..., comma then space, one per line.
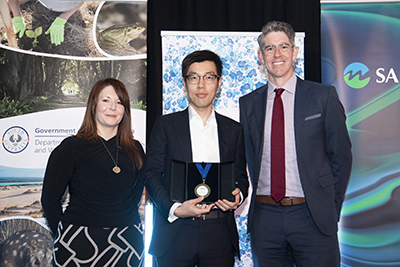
x=201, y=56
x=277, y=26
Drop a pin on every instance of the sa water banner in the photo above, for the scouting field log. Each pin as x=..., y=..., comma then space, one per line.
x=45, y=80
x=361, y=57
x=242, y=73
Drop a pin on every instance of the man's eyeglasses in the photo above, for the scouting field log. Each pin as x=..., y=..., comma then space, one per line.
x=208, y=78
x=269, y=50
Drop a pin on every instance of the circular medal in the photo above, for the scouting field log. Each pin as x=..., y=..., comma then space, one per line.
x=116, y=169
x=202, y=190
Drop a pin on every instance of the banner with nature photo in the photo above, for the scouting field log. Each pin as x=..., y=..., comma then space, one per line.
x=45, y=79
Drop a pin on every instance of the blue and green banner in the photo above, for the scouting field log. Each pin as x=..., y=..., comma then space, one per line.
x=360, y=57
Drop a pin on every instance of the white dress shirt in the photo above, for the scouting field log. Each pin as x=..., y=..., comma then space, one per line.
x=205, y=144
x=204, y=138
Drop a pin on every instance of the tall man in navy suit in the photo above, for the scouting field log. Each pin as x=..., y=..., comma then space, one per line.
x=301, y=227
x=191, y=233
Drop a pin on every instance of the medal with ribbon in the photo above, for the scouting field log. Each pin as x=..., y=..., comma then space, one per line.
x=203, y=190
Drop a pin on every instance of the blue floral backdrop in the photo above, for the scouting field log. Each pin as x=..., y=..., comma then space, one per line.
x=242, y=72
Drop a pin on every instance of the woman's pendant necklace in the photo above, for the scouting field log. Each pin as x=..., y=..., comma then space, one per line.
x=116, y=169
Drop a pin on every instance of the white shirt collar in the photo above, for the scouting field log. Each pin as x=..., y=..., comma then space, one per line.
x=193, y=115
x=289, y=86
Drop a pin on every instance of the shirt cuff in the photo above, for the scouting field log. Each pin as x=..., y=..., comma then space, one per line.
x=172, y=217
x=241, y=198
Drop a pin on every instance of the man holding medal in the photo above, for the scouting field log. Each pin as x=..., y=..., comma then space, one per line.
x=193, y=233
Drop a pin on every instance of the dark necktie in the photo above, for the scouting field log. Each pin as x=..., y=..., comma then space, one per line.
x=278, y=148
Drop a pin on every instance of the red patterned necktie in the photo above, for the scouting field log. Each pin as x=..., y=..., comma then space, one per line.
x=278, y=148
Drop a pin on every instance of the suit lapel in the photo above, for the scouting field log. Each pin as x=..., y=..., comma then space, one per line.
x=182, y=132
x=260, y=101
x=224, y=134
x=301, y=103
x=257, y=112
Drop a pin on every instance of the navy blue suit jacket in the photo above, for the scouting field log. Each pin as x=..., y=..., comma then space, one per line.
x=170, y=139
x=323, y=148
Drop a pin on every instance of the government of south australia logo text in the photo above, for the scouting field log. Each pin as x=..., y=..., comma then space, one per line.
x=352, y=77
x=15, y=139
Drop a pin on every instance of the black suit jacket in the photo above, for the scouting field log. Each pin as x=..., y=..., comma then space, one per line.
x=323, y=148
x=170, y=139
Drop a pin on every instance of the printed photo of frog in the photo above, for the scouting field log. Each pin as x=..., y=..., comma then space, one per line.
x=93, y=28
x=40, y=27
x=120, y=28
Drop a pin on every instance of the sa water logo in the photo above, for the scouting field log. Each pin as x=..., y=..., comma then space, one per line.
x=352, y=79
x=15, y=139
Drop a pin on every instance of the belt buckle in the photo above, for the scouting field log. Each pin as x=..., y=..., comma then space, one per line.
x=287, y=204
x=202, y=217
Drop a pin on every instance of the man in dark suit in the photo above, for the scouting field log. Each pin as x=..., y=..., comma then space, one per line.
x=192, y=233
x=314, y=160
